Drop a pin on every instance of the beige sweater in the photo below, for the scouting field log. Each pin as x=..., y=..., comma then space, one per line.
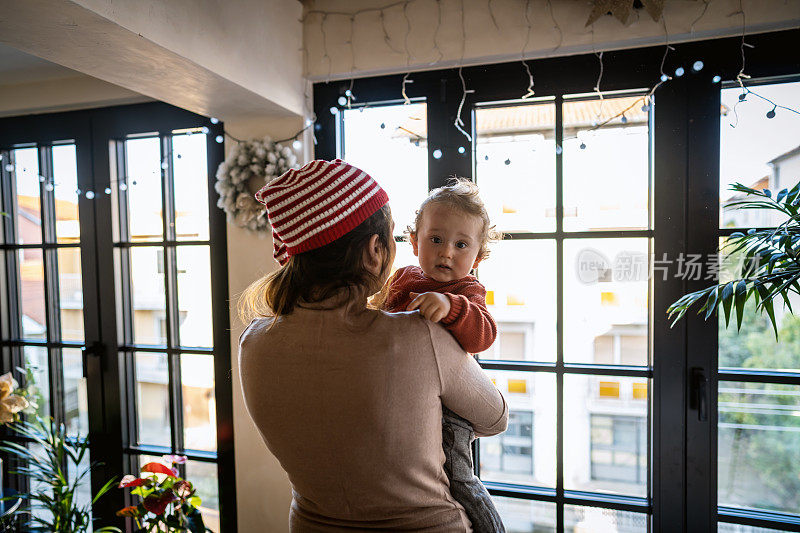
x=350, y=402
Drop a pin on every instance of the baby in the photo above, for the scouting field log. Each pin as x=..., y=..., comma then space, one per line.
x=450, y=237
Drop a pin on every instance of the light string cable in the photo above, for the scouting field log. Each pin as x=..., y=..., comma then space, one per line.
x=706, y=3
x=556, y=26
x=406, y=80
x=741, y=76
x=458, y=123
x=664, y=76
x=491, y=14
x=530, y=91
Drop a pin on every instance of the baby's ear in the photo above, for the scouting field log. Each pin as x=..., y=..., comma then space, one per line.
x=412, y=237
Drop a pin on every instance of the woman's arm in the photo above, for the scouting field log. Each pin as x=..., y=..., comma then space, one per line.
x=465, y=388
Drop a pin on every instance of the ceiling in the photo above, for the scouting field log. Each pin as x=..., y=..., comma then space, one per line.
x=19, y=67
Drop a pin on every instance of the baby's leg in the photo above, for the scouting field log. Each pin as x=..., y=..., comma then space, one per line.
x=466, y=488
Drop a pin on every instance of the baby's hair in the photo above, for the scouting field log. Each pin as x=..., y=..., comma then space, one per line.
x=462, y=195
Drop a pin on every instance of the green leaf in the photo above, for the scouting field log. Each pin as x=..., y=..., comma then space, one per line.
x=711, y=303
x=767, y=304
x=741, y=299
x=727, y=301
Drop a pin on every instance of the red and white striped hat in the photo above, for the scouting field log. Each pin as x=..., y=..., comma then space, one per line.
x=318, y=203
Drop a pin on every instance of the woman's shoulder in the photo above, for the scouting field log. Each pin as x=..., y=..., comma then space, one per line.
x=256, y=329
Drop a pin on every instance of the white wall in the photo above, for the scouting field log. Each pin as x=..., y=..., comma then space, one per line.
x=75, y=92
x=263, y=493
x=225, y=59
x=331, y=56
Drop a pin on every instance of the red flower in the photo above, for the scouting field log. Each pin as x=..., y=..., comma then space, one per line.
x=158, y=504
x=158, y=468
x=131, y=481
x=131, y=511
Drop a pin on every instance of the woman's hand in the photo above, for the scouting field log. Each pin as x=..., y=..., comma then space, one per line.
x=431, y=305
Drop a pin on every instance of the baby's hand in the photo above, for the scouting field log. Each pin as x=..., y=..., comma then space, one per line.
x=431, y=305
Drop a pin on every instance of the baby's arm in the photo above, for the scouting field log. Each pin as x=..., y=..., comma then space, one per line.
x=469, y=321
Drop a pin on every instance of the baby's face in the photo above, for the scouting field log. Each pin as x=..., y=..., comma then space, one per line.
x=447, y=242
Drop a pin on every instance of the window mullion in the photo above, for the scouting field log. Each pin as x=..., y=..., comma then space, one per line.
x=171, y=295
x=559, y=133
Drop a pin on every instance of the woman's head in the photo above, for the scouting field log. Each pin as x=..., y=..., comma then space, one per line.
x=332, y=231
x=454, y=213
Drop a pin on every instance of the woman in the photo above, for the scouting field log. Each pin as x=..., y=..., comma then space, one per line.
x=349, y=398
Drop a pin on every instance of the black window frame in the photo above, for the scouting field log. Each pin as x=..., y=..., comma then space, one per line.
x=685, y=125
x=97, y=133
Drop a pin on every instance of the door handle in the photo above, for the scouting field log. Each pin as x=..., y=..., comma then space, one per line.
x=698, y=393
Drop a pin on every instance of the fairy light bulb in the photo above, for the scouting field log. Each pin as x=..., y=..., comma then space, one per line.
x=9, y=167
x=107, y=190
x=205, y=130
x=342, y=100
x=624, y=119
x=559, y=150
x=214, y=120
x=123, y=186
x=664, y=77
x=437, y=154
x=297, y=144
x=49, y=187
x=220, y=139
x=697, y=66
x=333, y=110
x=507, y=162
x=461, y=150
x=771, y=113
x=716, y=79
x=679, y=71
x=90, y=195
x=583, y=146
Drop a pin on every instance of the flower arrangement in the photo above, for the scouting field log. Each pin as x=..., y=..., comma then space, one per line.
x=249, y=166
x=12, y=399
x=168, y=502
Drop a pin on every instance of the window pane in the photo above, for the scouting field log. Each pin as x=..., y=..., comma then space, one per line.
x=759, y=446
x=605, y=301
x=194, y=296
x=152, y=397
x=526, y=452
x=32, y=302
x=605, y=440
x=377, y=139
x=526, y=516
x=199, y=402
x=520, y=282
x=579, y=519
x=759, y=153
x=37, y=369
x=144, y=189
x=70, y=293
x=190, y=173
x=516, y=165
x=147, y=288
x=76, y=403
x=601, y=163
x=204, y=478
x=29, y=209
x=404, y=257
x=65, y=181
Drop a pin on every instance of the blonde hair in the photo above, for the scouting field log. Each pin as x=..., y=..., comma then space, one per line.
x=461, y=194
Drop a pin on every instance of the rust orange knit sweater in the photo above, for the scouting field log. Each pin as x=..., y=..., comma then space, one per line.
x=469, y=321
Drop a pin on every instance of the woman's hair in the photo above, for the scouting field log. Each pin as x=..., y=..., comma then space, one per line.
x=461, y=195
x=320, y=273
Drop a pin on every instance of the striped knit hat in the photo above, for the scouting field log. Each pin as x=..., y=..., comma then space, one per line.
x=315, y=205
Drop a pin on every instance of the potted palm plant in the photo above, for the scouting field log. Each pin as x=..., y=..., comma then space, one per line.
x=770, y=261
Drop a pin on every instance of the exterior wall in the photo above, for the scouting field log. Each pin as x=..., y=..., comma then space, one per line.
x=556, y=28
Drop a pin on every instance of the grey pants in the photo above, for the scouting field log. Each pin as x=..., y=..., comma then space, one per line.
x=466, y=488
